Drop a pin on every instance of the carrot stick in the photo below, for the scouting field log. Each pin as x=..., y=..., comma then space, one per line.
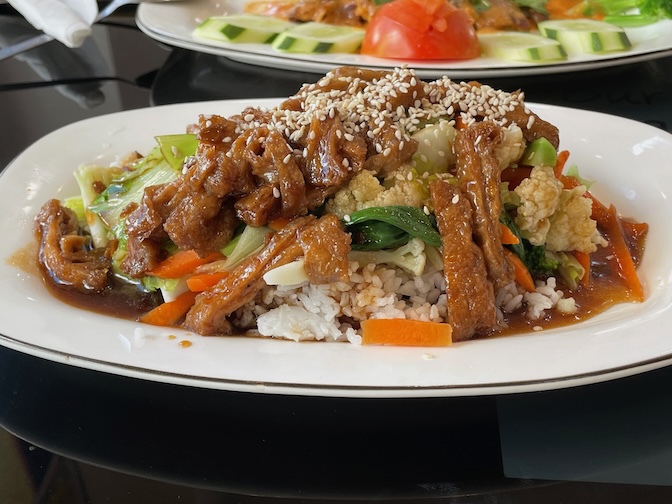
x=584, y=260
x=508, y=238
x=626, y=266
x=182, y=263
x=560, y=163
x=203, y=281
x=404, y=332
x=522, y=274
x=169, y=314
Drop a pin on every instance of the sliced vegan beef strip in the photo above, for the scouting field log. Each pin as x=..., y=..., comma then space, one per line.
x=479, y=177
x=469, y=294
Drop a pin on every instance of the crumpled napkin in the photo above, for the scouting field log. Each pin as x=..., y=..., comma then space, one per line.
x=68, y=21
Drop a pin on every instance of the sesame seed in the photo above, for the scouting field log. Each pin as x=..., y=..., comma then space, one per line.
x=455, y=199
x=425, y=209
x=276, y=192
x=287, y=158
x=346, y=218
x=530, y=122
x=249, y=117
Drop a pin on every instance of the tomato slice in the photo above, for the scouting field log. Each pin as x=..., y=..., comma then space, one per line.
x=421, y=29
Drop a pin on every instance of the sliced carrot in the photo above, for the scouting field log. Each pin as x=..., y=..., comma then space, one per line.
x=522, y=274
x=403, y=332
x=203, y=281
x=584, y=260
x=279, y=223
x=508, y=238
x=626, y=266
x=169, y=314
x=560, y=163
x=182, y=263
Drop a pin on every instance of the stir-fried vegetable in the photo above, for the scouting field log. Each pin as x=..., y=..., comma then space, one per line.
x=391, y=226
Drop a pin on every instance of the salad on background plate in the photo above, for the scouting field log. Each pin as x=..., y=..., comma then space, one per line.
x=464, y=40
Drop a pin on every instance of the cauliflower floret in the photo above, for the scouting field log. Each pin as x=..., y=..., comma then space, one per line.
x=512, y=147
x=571, y=226
x=365, y=190
x=362, y=187
x=539, y=198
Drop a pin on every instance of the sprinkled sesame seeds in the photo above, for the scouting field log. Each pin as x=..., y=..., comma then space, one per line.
x=530, y=122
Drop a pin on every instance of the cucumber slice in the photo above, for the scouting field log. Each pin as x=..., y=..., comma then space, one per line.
x=316, y=37
x=242, y=28
x=521, y=46
x=581, y=36
x=539, y=152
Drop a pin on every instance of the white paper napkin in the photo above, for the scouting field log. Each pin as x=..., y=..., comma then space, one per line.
x=66, y=20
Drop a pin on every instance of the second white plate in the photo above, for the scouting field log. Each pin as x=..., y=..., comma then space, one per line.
x=174, y=23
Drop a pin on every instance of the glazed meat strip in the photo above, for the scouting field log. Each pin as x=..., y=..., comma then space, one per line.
x=531, y=124
x=64, y=254
x=469, y=294
x=326, y=246
x=304, y=236
x=479, y=177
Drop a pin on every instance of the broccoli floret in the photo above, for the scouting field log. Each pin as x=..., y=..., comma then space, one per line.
x=537, y=261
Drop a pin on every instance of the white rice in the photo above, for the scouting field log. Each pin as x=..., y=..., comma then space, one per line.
x=330, y=312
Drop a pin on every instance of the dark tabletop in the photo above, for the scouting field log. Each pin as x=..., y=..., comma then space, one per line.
x=73, y=436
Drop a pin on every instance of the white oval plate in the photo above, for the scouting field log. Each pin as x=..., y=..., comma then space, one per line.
x=629, y=160
x=174, y=23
